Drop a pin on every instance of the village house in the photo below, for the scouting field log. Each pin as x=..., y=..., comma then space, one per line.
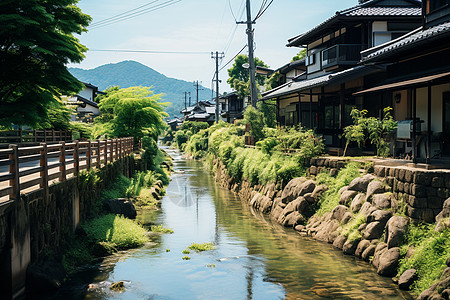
x=418, y=80
x=323, y=97
x=232, y=107
x=203, y=111
x=86, y=108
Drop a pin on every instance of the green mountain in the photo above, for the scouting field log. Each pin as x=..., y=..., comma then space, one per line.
x=131, y=73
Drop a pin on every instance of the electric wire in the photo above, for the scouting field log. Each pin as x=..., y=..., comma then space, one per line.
x=148, y=51
x=124, y=13
x=233, y=58
x=138, y=13
x=259, y=15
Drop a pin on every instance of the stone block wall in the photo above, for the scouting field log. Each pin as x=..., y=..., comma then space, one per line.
x=422, y=191
x=333, y=165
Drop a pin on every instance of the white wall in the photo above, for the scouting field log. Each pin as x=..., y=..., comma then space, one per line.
x=87, y=93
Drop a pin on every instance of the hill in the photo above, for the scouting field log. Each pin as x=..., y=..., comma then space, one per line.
x=131, y=73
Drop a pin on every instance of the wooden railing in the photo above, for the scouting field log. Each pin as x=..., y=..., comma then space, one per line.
x=24, y=137
x=23, y=169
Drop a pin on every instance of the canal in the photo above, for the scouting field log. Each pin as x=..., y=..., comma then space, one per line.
x=253, y=259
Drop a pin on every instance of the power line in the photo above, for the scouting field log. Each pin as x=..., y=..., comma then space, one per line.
x=233, y=58
x=124, y=13
x=263, y=11
x=148, y=51
x=136, y=14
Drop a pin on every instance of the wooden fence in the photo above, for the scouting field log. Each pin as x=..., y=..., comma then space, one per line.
x=25, y=168
x=24, y=137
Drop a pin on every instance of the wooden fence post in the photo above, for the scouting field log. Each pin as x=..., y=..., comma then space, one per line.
x=88, y=156
x=117, y=149
x=99, y=155
x=20, y=136
x=14, y=169
x=44, y=172
x=62, y=160
x=76, y=157
x=106, y=152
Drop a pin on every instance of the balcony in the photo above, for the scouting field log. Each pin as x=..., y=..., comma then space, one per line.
x=343, y=54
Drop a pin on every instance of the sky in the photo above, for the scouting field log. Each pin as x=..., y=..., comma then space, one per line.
x=198, y=26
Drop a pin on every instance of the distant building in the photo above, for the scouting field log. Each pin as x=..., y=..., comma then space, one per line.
x=86, y=108
x=203, y=111
x=232, y=107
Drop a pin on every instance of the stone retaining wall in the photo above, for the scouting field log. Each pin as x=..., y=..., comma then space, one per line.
x=37, y=223
x=423, y=191
x=333, y=165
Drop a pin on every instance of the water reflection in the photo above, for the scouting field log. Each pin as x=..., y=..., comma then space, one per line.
x=254, y=258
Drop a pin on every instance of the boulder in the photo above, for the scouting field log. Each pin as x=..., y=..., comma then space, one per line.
x=443, y=216
x=374, y=187
x=347, y=197
x=276, y=212
x=381, y=201
x=396, y=230
x=367, y=209
x=293, y=219
x=373, y=231
x=346, y=218
x=379, y=250
x=349, y=247
x=291, y=191
x=379, y=216
x=407, y=279
x=357, y=203
x=45, y=276
x=343, y=189
x=339, y=242
x=368, y=253
x=363, y=245
x=309, y=197
x=338, y=212
x=360, y=184
x=325, y=231
x=319, y=190
x=120, y=206
x=388, y=262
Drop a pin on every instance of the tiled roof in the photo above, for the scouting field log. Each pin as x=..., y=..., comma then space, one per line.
x=295, y=87
x=384, y=11
x=361, y=10
x=411, y=39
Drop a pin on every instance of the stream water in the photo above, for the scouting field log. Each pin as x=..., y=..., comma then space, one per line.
x=253, y=259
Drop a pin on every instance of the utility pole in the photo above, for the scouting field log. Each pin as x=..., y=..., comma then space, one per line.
x=217, y=56
x=185, y=98
x=196, y=84
x=251, y=59
x=189, y=99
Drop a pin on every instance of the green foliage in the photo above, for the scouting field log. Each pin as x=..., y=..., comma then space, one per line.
x=186, y=258
x=430, y=254
x=115, y=233
x=239, y=78
x=81, y=130
x=255, y=118
x=372, y=128
x=37, y=42
x=356, y=132
x=187, y=130
x=186, y=251
x=116, y=189
x=160, y=228
x=300, y=55
x=202, y=247
x=134, y=112
x=350, y=230
x=58, y=116
x=330, y=199
x=141, y=180
x=269, y=110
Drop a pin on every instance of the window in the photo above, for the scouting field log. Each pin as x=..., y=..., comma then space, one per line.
x=311, y=60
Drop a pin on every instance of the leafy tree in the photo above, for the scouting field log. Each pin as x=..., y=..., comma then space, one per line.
x=255, y=118
x=273, y=81
x=239, y=77
x=355, y=132
x=36, y=44
x=300, y=55
x=269, y=110
x=135, y=111
x=58, y=116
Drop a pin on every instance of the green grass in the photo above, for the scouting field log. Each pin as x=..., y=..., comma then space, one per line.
x=350, y=230
x=116, y=232
x=431, y=252
x=202, y=247
x=330, y=199
x=160, y=228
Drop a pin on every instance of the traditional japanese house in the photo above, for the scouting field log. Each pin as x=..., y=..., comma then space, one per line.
x=232, y=107
x=418, y=83
x=323, y=97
